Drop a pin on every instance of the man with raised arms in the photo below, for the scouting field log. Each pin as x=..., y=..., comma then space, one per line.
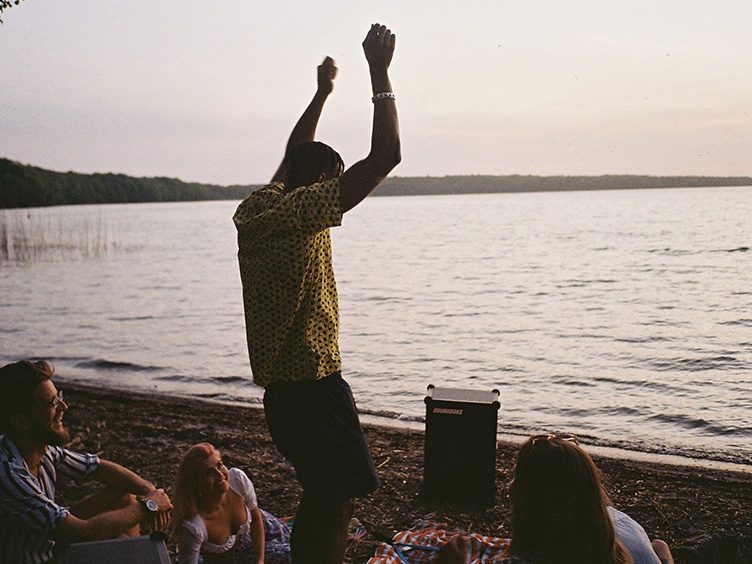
x=292, y=312
x=32, y=456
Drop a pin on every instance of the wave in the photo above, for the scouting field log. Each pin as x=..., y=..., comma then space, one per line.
x=391, y=415
x=632, y=383
x=742, y=322
x=225, y=398
x=178, y=378
x=228, y=379
x=572, y=381
x=103, y=364
x=708, y=427
x=720, y=362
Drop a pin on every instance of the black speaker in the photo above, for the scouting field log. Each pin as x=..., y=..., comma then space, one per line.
x=460, y=446
x=129, y=550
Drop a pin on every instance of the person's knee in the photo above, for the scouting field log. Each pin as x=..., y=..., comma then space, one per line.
x=126, y=499
x=663, y=552
x=118, y=499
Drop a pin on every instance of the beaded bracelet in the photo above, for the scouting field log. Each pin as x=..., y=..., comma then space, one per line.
x=383, y=96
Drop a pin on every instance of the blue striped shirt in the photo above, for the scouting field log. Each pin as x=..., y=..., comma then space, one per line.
x=28, y=512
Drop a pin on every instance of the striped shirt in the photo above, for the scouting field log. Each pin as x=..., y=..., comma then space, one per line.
x=28, y=512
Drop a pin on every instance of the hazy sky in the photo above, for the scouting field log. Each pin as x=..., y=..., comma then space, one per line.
x=208, y=91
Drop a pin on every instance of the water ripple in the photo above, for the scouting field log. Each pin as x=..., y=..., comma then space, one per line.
x=103, y=364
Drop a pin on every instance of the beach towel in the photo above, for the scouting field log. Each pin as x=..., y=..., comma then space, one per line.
x=421, y=543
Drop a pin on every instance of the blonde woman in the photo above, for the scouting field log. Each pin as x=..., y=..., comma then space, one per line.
x=217, y=517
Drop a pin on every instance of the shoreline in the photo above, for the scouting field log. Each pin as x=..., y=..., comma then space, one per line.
x=149, y=432
x=605, y=451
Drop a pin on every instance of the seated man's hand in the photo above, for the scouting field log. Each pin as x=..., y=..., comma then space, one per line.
x=159, y=520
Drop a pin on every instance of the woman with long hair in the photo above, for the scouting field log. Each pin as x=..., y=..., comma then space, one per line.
x=216, y=514
x=561, y=513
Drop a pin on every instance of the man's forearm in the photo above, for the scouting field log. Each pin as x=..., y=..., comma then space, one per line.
x=305, y=128
x=103, y=526
x=385, y=142
x=120, y=478
x=361, y=178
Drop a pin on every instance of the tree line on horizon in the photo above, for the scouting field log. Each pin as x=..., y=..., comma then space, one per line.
x=25, y=186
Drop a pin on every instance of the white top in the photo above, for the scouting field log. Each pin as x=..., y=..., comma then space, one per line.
x=634, y=538
x=193, y=533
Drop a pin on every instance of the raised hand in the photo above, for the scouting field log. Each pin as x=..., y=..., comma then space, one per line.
x=326, y=73
x=378, y=46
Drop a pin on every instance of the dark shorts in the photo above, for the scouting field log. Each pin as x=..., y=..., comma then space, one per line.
x=315, y=425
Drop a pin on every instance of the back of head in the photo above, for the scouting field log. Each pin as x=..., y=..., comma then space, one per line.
x=559, y=506
x=307, y=162
x=18, y=381
x=185, y=491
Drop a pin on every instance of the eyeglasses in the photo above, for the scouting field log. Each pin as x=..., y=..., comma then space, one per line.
x=58, y=400
x=548, y=437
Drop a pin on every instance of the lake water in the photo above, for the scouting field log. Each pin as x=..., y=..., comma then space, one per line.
x=621, y=316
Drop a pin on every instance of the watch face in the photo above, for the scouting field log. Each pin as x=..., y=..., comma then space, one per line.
x=151, y=505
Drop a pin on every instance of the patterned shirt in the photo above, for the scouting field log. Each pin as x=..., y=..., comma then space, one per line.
x=28, y=512
x=289, y=291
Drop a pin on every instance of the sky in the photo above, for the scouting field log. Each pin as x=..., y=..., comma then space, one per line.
x=209, y=91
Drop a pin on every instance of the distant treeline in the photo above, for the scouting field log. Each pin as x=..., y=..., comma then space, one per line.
x=435, y=185
x=23, y=186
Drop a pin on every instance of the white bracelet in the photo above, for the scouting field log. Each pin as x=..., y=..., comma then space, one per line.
x=383, y=96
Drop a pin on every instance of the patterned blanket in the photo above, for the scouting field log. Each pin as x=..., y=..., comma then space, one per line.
x=421, y=543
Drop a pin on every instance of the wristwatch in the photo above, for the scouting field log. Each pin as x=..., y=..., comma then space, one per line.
x=151, y=505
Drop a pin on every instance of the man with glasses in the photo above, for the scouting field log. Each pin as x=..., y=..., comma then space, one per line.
x=32, y=456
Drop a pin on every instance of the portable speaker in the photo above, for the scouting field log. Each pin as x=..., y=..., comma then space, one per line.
x=460, y=446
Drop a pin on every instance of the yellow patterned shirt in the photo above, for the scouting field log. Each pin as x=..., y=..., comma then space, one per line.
x=289, y=291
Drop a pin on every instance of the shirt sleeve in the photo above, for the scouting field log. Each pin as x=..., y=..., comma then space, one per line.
x=316, y=207
x=22, y=499
x=189, y=545
x=634, y=538
x=74, y=465
x=307, y=209
x=241, y=483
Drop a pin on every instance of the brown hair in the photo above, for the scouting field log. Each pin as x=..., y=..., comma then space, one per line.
x=559, y=506
x=185, y=493
x=18, y=381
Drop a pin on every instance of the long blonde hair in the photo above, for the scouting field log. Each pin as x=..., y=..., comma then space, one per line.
x=186, y=490
x=559, y=506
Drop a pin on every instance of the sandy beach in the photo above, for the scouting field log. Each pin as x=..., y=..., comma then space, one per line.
x=689, y=507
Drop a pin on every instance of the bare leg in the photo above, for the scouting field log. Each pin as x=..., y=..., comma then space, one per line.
x=106, y=499
x=663, y=552
x=319, y=534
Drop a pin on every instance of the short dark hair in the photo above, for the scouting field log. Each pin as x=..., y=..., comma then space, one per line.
x=18, y=381
x=307, y=161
